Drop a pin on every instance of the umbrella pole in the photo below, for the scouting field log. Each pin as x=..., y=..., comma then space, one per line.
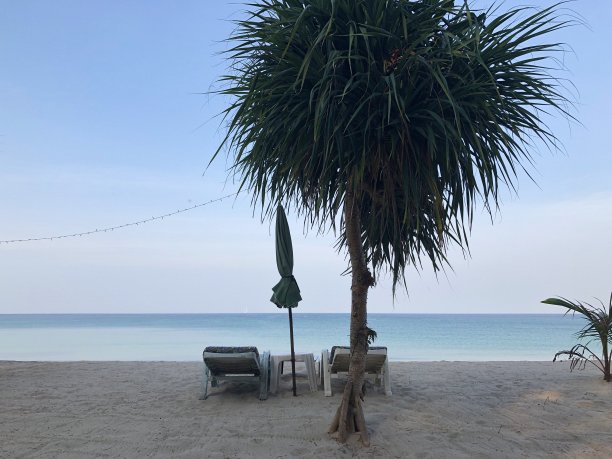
x=292, y=351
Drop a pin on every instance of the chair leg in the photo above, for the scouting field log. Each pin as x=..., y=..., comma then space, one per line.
x=204, y=394
x=326, y=373
x=320, y=363
x=264, y=376
x=387, y=378
x=274, y=375
x=310, y=371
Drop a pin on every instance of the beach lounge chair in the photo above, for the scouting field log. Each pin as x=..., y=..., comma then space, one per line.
x=336, y=363
x=240, y=364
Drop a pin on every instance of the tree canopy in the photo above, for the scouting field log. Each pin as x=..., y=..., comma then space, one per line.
x=422, y=108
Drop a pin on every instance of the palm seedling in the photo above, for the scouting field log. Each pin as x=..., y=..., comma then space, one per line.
x=598, y=326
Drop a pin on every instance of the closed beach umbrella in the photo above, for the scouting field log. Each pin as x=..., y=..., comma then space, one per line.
x=286, y=292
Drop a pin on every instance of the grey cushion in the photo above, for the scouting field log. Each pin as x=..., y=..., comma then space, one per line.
x=333, y=350
x=232, y=350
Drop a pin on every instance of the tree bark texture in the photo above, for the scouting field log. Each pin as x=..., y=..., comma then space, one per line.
x=349, y=417
x=606, y=355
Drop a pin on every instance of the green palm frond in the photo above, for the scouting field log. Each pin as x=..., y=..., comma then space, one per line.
x=598, y=318
x=579, y=355
x=423, y=109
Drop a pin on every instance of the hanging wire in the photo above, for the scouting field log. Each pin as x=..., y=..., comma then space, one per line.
x=113, y=228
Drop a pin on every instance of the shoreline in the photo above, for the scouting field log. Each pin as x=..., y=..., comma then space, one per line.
x=316, y=356
x=438, y=409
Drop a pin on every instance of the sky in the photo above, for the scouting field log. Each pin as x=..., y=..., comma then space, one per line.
x=106, y=118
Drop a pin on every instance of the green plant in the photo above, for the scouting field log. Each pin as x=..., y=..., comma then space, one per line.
x=389, y=122
x=598, y=325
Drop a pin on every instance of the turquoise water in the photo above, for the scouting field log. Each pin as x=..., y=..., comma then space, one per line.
x=182, y=337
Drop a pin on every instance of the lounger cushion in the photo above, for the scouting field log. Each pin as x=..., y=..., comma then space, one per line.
x=242, y=364
x=232, y=350
x=333, y=350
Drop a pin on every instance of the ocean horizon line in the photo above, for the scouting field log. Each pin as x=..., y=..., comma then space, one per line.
x=279, y=312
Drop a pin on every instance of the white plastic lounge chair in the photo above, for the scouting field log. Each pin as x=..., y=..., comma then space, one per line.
x=337, y=363
x=235, y=364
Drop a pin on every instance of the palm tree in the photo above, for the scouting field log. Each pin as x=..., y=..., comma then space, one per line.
x=388, y=122
x=598, y=325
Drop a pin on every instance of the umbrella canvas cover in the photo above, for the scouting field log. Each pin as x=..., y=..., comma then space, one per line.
x=286, y=294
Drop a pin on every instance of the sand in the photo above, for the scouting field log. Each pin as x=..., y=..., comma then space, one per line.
x=437, y=410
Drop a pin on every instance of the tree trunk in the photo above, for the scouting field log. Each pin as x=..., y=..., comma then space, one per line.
x=349, y=417
x=607, y=356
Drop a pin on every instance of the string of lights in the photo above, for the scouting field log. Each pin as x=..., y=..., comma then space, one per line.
x=113, y=228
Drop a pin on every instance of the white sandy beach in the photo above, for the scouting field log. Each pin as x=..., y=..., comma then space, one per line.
x=437, y=410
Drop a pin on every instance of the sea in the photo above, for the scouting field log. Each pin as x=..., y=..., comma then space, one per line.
x=182, y=337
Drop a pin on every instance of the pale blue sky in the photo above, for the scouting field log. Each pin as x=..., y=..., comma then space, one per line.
x=103, y=122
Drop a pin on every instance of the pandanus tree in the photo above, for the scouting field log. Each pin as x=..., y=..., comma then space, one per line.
x=389, y=122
